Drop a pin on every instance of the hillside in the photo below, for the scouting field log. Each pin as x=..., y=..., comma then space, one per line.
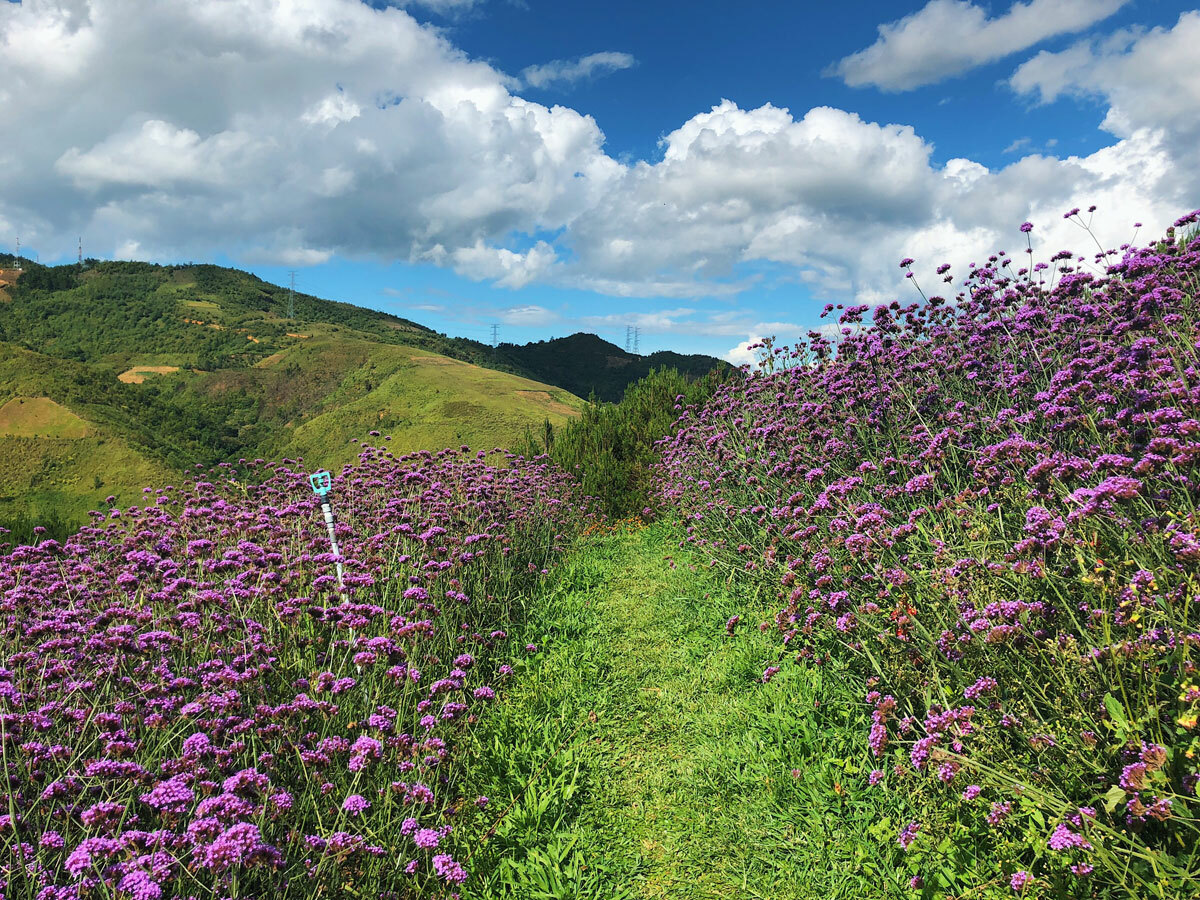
x=117, y=312
x=126, y=374
x=114, y=375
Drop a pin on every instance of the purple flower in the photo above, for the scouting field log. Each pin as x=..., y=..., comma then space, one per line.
x=239, y=845
x=1021, y=878
x=998, y=813
x=356, y=804
x=984, y=685
x=140, y=886
x=448, y=869
x=908, y=834
x=1063, y=838
x=426, y=838
x=172, y=795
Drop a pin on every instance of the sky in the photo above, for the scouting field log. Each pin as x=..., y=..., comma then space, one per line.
x=709, y=172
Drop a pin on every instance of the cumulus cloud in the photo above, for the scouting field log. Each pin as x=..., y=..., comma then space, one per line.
x=349, y=128
x=565, y=72
x=507, y=268
x=1148, y=78
x=442, y=7
x=949, y=37
x=741, y=354
x=336, y=128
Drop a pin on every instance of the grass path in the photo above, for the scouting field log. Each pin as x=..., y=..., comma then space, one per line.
x=657, y=762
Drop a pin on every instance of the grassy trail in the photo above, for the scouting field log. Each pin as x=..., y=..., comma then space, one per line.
x=657, y=762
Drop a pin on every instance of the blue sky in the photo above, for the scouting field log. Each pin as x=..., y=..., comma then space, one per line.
x=557, y=167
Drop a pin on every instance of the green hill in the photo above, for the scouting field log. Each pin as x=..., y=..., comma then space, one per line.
x=125, y=374
x=116, y=375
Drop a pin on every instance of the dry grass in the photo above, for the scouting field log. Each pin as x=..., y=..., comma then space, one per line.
x=35, y=417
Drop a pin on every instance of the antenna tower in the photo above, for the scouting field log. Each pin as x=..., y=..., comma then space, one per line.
x=495, y=334
x=79, y=259
x=292, y=295
x=18, y=253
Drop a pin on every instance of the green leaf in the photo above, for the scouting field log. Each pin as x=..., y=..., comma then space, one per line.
x=1115, y=711
x=1115, y=795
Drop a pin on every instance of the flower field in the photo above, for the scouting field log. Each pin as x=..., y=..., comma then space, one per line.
x=985, y=512
x=190, y=708
x=975, y=520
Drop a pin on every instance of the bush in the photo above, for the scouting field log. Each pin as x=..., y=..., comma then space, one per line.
x=612, y=447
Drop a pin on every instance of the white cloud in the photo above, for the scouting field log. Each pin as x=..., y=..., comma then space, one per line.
x=332, y=110
x=159, y=155
x=741, y=354
x=444, y=7
x=1148, y=78
x=330, y=128
x=949, y=37
x=194, y=127
x=504, y=267
x=530, y=315
x=565, y=72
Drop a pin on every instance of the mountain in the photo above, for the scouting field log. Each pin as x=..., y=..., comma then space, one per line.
x=124, y=375
x=585, y=364
x=116, y=375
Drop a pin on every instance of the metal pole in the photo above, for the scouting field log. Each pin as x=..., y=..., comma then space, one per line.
x=328, y=510
x=322, y=484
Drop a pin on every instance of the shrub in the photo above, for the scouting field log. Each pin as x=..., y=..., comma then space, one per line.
x=612, y=448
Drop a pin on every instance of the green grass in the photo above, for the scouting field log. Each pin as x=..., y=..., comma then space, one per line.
x=642, y=755
x=425, y=401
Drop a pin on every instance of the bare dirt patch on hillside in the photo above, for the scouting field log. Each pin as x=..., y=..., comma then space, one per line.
x=138, y=374
x=437, y=361
x=40, y=417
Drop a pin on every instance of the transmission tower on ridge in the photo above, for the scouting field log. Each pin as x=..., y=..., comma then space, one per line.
x=628, y=338
x=637, y=333
x=292, y=295
x=495, y=334
x=18, y=253
x=79, y=260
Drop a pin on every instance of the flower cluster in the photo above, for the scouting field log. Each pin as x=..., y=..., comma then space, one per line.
x=190, y=702
x=989, y=508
